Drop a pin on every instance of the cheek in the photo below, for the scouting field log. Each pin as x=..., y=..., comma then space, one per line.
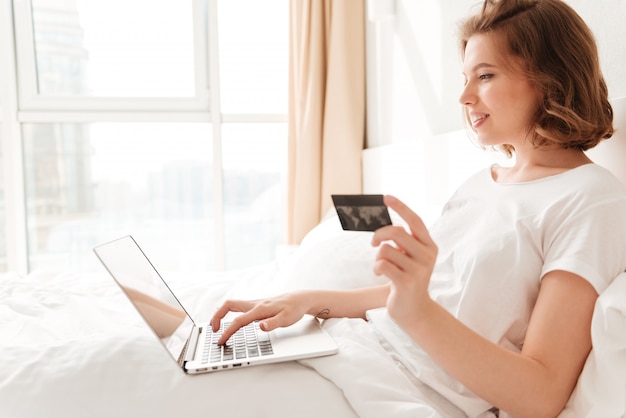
x=500, y=99
x=527, y=99
x=527, y=110
x=522, y=105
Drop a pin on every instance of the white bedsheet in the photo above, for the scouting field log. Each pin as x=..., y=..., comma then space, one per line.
x=374, y=379
x=72, y=346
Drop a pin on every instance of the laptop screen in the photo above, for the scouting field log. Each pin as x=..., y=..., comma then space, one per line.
x=148, y=292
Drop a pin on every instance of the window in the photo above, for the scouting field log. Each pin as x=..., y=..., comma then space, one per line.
x=168, y=125
x=113, y=48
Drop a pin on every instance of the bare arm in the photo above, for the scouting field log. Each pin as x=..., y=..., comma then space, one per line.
x=346, y=303
x=538, y=381
x=534, y=383
x=288, y=308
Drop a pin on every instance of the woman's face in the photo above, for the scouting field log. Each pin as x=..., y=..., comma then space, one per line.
x=499, y=99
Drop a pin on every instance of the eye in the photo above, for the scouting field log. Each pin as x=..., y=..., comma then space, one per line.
x=484, y=77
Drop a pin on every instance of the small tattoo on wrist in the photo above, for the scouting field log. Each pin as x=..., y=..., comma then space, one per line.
x=324, y=313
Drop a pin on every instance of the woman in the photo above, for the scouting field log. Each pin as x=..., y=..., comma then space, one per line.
x=500, y=292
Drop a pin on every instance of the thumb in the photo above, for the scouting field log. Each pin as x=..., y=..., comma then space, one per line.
x=282, y=319
x=267, y=324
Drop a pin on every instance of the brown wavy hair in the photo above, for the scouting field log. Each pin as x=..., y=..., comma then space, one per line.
x=560, y=56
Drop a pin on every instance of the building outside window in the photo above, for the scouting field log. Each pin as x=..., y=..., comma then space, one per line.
x=169, y=125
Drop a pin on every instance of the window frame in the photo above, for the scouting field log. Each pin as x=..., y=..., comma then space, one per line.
x=31, y=100
x=21, y=103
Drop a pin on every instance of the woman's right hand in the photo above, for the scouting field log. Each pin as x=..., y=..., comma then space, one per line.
x=279, y=311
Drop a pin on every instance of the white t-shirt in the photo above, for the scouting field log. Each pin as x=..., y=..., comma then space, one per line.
x=496, y=241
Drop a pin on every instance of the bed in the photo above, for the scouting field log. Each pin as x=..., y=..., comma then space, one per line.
x=73, y=347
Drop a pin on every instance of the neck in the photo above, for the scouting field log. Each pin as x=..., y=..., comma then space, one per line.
x=534, y=164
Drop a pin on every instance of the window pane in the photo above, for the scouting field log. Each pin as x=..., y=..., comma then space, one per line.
x=255, y=169
x=254, y=62
x=137, y=48
x=90, y=183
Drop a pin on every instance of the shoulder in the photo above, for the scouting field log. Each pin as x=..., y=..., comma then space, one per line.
x=584, y=225
x=598, y=179
x=588, y=191
x=590, y=187
x=579, y=190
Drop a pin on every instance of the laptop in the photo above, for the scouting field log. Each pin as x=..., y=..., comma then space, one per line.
x=191, y=344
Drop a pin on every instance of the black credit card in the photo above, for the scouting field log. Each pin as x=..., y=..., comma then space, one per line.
x=361, y=212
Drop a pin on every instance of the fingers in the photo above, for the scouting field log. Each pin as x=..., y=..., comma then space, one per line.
x=272, y=313
x=412, y=253
x=415, y=223
x=268, y=323
x=237, y=322
x=404, y=242
x=230, y=306
x=390, y=258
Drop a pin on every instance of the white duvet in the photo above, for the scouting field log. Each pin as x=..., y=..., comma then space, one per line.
x=72, y=346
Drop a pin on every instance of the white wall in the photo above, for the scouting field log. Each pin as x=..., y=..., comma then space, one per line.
x=413, y=64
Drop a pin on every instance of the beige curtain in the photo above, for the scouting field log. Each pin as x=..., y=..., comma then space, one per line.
x=326, y=107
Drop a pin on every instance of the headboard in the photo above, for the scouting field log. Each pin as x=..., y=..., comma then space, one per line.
x=424, y=172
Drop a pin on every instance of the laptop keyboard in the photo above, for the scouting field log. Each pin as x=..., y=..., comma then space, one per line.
x=248, y=342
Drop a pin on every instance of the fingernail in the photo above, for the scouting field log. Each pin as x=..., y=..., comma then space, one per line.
x=264, y=326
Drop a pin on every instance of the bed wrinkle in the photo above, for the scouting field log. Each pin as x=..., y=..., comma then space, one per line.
x=372, y=379
x=93, y=356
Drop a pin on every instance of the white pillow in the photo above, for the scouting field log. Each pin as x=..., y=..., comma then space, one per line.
x=601, y=388
x=331, y=258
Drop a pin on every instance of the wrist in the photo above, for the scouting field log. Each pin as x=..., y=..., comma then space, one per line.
x=414, y=320
x=317, y=303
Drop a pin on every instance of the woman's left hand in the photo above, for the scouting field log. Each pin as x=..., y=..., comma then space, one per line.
x=408, y=264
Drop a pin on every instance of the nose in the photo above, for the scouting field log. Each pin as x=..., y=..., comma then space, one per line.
x=467, y=96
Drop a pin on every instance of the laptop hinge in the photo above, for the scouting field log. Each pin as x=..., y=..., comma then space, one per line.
x=192, y=344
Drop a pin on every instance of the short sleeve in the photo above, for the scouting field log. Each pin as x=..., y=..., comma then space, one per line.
x=589, y=240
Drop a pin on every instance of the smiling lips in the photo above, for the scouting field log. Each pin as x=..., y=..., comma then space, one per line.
x=478, y=118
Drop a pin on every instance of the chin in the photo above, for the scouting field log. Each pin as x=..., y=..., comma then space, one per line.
x=486, y=141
